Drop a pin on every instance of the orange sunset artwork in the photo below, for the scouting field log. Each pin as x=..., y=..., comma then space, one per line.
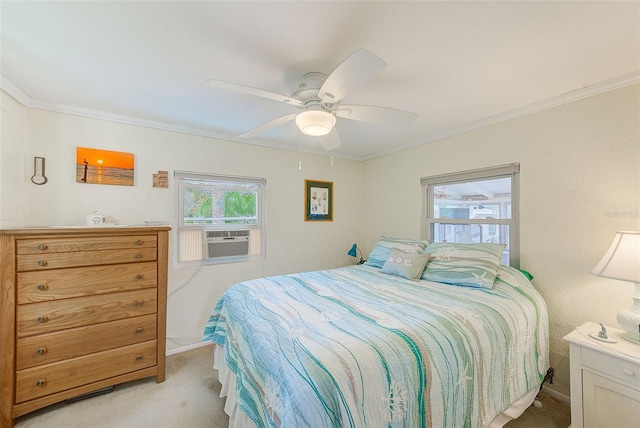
x=96, y=166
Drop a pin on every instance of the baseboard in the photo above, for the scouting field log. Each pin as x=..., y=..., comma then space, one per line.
x=188, y=348
x=557, y=396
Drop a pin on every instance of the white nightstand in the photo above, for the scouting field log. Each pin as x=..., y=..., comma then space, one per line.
x=605, y=379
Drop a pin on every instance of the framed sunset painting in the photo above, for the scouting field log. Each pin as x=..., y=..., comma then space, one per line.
x=97, y=166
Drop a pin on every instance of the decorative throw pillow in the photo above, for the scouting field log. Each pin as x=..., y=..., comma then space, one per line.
x=380, y=253
x=406, y=265
x=471, y=265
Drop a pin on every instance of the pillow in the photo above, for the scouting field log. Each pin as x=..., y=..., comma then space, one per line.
x=527, y=274
x=471, y=265
x=406, y=265
x=380, y=253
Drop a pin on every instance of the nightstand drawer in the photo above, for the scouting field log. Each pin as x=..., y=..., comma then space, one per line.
x=617, y=368
x=56, y=284
x=45, y=317
x=60, y=345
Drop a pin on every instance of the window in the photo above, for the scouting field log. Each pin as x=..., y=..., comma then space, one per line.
x=474, y=206
x=220, y=218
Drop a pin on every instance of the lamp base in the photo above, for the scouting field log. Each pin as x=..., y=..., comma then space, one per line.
x=629, y=320
x=633, y=338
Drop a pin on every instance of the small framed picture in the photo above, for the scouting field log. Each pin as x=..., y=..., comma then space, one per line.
x=318, y=200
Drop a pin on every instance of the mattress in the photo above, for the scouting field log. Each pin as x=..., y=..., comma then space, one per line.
x=356, y=347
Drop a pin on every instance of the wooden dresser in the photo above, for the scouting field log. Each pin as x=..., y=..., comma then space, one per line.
x=80, y=309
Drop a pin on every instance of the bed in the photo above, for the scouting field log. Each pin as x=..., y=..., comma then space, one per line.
x=361, y=347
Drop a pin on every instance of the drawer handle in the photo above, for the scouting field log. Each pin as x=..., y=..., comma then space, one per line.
x=40, y=383
x=139, y=303
x=41, y=351
x=138, y=330
x=138, y=357
x=42, y=319
x=628, y=372
x=42, y=287
x=42, y=263
x=42, y=247
x=138, y=256
x=138, y=242
x=139, y=276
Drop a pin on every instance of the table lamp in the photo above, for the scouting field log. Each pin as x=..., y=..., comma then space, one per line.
x=622, y=261
x=353, y=253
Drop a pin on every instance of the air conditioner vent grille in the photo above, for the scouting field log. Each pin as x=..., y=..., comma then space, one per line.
x=226, y=243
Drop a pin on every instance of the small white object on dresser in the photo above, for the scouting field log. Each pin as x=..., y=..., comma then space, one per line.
x=605, y=379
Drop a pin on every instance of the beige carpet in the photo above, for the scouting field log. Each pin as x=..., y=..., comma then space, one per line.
x=189, y=397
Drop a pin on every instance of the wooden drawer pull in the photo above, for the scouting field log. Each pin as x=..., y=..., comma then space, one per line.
x=41, y=351
x=43, y=287
x=138, y=242
x=139, y=303
x=139, y=276
x=138, y=357
x=42, y=263
x=138, y=330
x=42, y=319
x=42, y=247
x=40, y=383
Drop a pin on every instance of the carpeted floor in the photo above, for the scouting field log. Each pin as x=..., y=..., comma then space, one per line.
x=189, y=397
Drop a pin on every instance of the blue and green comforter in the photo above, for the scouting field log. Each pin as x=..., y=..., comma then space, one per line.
x=354, y=347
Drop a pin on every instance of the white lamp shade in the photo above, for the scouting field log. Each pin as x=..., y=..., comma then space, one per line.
x=315, y=123
x=622, y=260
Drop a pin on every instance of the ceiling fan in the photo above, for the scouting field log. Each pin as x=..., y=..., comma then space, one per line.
x=318, y=97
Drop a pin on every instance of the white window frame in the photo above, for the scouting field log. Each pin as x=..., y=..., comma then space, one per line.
x=190, y=240
x=511, y=171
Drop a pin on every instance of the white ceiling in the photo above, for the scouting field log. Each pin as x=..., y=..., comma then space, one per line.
x=456, y=64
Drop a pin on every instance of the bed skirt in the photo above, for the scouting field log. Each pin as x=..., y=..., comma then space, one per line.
x=239, y=419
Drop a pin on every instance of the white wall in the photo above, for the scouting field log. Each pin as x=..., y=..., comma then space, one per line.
x=11, y=161
x=292, y=244
x=579, y=184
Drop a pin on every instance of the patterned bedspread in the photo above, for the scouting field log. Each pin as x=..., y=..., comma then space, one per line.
x=354, y=347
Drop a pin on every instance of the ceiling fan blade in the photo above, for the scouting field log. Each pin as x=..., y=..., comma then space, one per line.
x=254, y=91
x=268, y=125
x=375, y=114
x=330, y=141
x=352, y=73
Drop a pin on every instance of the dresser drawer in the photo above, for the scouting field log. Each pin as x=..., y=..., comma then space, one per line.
x=29, y=262
x=51, y=378
x=49, y=347
x=48, y=245
x=41, y=286
x=45, y=317
x=617, y=368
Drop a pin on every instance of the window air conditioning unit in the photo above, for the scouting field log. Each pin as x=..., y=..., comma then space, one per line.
x=226, y=243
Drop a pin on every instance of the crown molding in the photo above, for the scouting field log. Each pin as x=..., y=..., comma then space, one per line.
x=7, y=86
x=588, y=91
x=568, y=97
x=16, y=93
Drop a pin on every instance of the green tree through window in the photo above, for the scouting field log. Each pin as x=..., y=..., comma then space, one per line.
x=238, y=204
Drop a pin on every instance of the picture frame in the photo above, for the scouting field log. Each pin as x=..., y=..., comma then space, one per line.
x=99, y=166
x=318, y=200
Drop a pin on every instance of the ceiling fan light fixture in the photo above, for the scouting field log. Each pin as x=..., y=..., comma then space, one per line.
x=315, y=123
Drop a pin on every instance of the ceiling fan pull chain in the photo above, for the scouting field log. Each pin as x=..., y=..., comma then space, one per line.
x=299, y=151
